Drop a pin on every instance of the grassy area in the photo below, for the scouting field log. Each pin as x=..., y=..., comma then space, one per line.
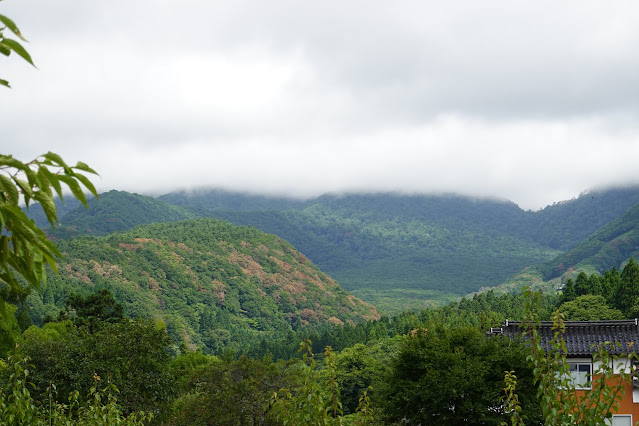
x=393, y=301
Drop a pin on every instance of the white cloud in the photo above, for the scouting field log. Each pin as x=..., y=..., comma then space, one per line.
x=530, y=101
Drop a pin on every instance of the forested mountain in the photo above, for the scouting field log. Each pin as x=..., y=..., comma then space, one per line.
x=214, y=284
x=388, y=248
x=563, y=225
x=609, y=247
x=395, y=251
x=217, y=199
x=113, y=211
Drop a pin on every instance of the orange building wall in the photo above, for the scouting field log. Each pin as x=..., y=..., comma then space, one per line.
x=626, y=406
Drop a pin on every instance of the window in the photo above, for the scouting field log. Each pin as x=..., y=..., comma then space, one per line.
x=620, y=420
x=580, y=374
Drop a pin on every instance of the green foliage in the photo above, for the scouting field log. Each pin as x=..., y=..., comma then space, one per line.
x=383, y=241
x=25, y=251
x=377, y=241
x=311, y=401
x=7, y=339
x=446, y=376
x=359, y=371
x=582, y=284
x=628, y=290
x=380, y=245
x=511, y=400
x=609, y=296
x=92, y=311
x=482, y=311
x=216, y=285
x=589, y=308
x=16, y=404
x=610, y=246
x=315, y=399
x=131, y=354
x=101, y=408
x=568, y=294
x=565, y=224
x=556, y=389
x=9, y=45
x=229, y=392
x=113, y=211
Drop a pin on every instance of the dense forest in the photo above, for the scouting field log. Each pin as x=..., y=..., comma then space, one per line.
x=215, y=285
x=159, y=316
x=409, y=367
x=395, y=251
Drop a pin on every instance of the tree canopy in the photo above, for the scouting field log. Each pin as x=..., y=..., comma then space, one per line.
x=447, y=376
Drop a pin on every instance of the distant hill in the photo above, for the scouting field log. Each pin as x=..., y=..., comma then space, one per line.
x=395, y=251
x=36, y=213
x=400, y=251
x=611, y=246
x=113, y=211
x=564, y=225
x=217, y=199
x=214, y=284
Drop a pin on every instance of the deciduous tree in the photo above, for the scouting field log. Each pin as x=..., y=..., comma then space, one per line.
x=443, y=376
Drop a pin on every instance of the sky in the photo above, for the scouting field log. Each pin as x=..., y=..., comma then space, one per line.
x=530, y=101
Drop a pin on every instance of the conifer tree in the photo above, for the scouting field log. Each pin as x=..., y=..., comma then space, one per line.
x=569, y=294
x=629, y=288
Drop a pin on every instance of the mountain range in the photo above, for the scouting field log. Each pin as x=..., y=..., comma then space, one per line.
x=401, y=251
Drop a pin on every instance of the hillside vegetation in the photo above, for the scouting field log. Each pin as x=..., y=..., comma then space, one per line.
x=395, y=251
x=609, y=247
x=214, y=284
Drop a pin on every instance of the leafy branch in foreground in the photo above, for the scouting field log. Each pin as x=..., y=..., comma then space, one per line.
x=8, y=45
x=25, y=250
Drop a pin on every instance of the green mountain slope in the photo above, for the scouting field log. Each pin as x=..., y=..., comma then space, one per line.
x=113, y=211
x=214, y=284
x=564, y=225
x=611, y=246
x=396, y=251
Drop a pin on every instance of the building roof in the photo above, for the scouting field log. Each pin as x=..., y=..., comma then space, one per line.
x=582, y=336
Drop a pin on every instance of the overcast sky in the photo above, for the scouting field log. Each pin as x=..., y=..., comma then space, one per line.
x=531, y=101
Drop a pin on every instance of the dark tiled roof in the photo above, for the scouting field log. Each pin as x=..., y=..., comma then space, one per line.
x=580, y=336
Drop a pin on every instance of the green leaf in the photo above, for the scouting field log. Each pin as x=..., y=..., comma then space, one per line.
x=24, y=186
x=75, y=188
x=12, y=26
x=87, y=183
x=4, y=249
x=7, y=186
x=5, y=50
x=46, y=201
x=55, y=158
x=42, y=182
x=31, y=177
x=17, y=47
x=4, y=83
x=85, y=168
x=54, y=180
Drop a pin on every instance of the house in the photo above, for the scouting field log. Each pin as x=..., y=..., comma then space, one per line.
x=580, y=338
